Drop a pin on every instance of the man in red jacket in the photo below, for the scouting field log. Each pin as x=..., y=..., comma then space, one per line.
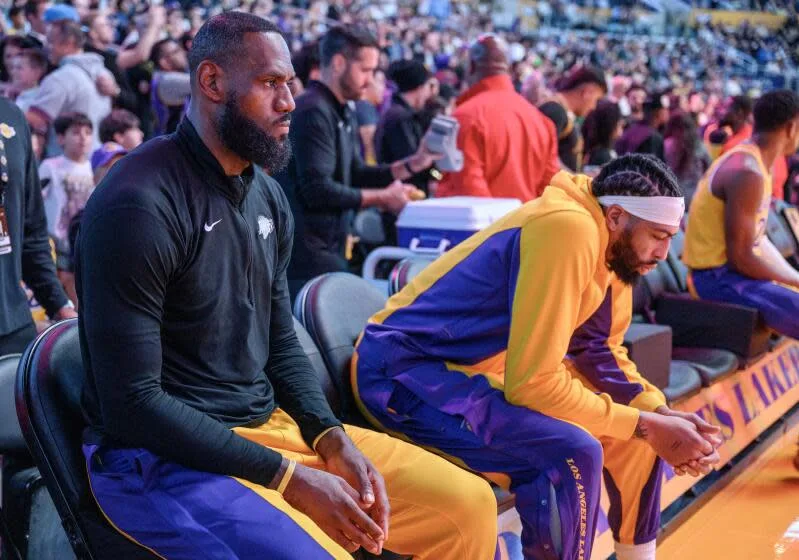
x=512, y=153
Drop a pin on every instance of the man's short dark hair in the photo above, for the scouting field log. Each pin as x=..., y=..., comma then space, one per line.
x=15, y=11
x=580, y=75
x=775, y=109
x=345, y=40
x=636, y=175
x=65, y=121
x=36, y=58
x=72, y=30
x=32, y=7
x=220, y=39
x=118, y=122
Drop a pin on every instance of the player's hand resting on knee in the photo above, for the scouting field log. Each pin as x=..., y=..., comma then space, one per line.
x=676, y=440
x=332, y=504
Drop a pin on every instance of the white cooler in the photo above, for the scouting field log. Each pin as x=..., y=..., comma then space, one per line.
x=438, y=224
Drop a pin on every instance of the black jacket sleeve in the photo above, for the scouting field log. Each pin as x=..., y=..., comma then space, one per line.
x=297, y=387
x=123, y=275
x=38, y=268
x=315, y=158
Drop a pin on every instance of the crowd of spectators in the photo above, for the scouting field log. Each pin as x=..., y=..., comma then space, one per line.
x=94, y=79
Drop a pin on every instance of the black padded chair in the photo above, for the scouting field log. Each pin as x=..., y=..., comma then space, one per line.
x=49, y=384
x=48, y=388
x=334, y=308
x=11, y=441
x=674, y=260
x=700, y=323
x=30, y=526
x=684, y=382
x=679, y=285
x=790, y=219
x=779, y=232
x=650, y=348
x=368, y=227
x=317, y=361
x=713, y=362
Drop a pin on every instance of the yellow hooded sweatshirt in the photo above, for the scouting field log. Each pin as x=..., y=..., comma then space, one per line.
x=530, y=304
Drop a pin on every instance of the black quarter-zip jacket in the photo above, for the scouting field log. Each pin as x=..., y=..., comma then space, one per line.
x=185, y=325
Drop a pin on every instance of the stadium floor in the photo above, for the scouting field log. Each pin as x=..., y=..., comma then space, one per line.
x=756, y=517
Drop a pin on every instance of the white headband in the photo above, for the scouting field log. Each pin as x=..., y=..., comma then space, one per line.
x=666, y=210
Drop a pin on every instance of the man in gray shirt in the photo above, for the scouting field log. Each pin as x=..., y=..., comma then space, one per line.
x=80, y=84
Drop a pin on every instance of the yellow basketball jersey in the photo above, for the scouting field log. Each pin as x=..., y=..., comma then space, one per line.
x=705, y=245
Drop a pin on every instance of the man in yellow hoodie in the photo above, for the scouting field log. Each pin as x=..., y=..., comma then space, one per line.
x=505, y=355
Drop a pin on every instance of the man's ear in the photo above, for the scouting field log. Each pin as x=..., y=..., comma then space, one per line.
x=210, y=81
x=615, y=218
x=338, y=63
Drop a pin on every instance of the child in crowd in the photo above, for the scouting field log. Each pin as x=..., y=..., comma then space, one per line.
x=121, y=127
x=67, y=182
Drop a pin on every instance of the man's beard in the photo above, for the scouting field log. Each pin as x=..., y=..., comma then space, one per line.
x=623, y=260
x=242, y=136
x=349, y=90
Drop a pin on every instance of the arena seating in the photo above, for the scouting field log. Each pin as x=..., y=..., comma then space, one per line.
x=701, y=323
x=334, y=308
x=48, y=389
x=650, y=347
x=684, y=382
x=11, y=441
x=712, y=362
x=790, y=219
x=781, y=236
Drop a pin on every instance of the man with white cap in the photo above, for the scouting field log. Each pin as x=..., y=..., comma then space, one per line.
x=505, y=355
